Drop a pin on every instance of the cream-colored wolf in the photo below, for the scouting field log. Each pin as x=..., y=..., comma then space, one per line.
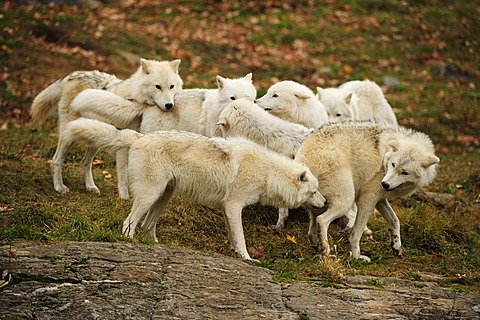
x=223, y=173
x=365, y=163
x=154, y=85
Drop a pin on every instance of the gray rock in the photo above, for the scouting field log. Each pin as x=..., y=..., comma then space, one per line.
x=133, y=281
x=390, y=81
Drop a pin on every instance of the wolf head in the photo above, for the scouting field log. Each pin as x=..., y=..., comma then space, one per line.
x=341, y=105
x=410, y=164
x=291, y=184
x=284, y=97
x=308, y=187
x=233, y=89
x=293, y=102
x=157, y=82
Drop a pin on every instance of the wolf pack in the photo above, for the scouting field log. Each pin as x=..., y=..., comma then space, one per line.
x=337, y=153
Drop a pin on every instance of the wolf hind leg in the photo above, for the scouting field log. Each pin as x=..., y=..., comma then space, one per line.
x=63, y=146
x=122, y=173
x=87, y=169
x=149, y=224
x=366, y=204
x=336, y=209
x=143, y=201
x=282, y=218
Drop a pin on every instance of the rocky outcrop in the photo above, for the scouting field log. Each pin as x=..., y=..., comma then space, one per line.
x=133, y=281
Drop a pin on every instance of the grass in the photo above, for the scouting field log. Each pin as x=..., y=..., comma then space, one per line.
x=275, y=41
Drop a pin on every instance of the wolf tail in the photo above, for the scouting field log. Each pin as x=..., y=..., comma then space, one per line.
x=100, y=134
x=106, y=106
x=46, y=101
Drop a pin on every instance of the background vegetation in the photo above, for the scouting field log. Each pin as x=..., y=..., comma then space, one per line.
x=430, y=47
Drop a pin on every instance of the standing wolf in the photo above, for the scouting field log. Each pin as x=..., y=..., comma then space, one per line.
x=365, y=163
x=227, y=174
x=294, y=102
x=152, y=85
x=196, y=110
x=357, y=100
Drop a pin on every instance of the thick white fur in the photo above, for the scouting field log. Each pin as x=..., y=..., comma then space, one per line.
x=365, y=164
x=372, y=104
x=341, y=105
x=152, y=85
x=228, y=91
x=294, y=102
x=246, y=119
x=223, y=173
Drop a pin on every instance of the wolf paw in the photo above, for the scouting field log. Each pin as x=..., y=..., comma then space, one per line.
x=93, y=189
x=364, y=258
x=276, y=227
x=62, y=189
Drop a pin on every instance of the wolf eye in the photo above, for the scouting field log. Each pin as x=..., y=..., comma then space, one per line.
x=393, y=165
x=232, y=98
x=405, y=173
x=158, y=87
x=338, y=114
x=172, y=86
x=275, y=95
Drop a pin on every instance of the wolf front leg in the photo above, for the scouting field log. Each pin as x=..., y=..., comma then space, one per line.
x=393, y=225
x=233, y=221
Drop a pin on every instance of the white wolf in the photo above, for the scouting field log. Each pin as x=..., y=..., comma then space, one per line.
x=228, y=91
x=294, y=102
x=341, y=105
x=365, y=163
x=367, y=102
x=120, y=112
x=195, y=111
x=227, y=174
x=153, y=84
x=246, y=119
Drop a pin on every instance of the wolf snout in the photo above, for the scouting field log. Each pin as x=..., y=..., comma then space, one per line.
x=385, y=186
x=169, y=106
x=317, y=201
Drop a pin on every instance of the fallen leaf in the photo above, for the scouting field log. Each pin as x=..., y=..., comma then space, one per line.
x=98, y=161
x=291, y=238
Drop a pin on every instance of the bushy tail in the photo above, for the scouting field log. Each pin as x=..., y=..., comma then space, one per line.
x=46, y=101
x=100, y=134
x=106, y=106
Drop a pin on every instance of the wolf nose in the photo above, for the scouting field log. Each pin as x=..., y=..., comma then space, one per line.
x=385, y=185
x=169, y=106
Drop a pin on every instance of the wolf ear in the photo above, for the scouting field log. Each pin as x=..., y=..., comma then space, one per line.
x=220, y=82
x=303, y=176
x=300, y=158
x=319, y=93
x=174, y=64
x=393, y=144
x=223, y=124
x=248, y=77
x=430, y=160
x=301, y=96
x=348, y=98
x=144, y=63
